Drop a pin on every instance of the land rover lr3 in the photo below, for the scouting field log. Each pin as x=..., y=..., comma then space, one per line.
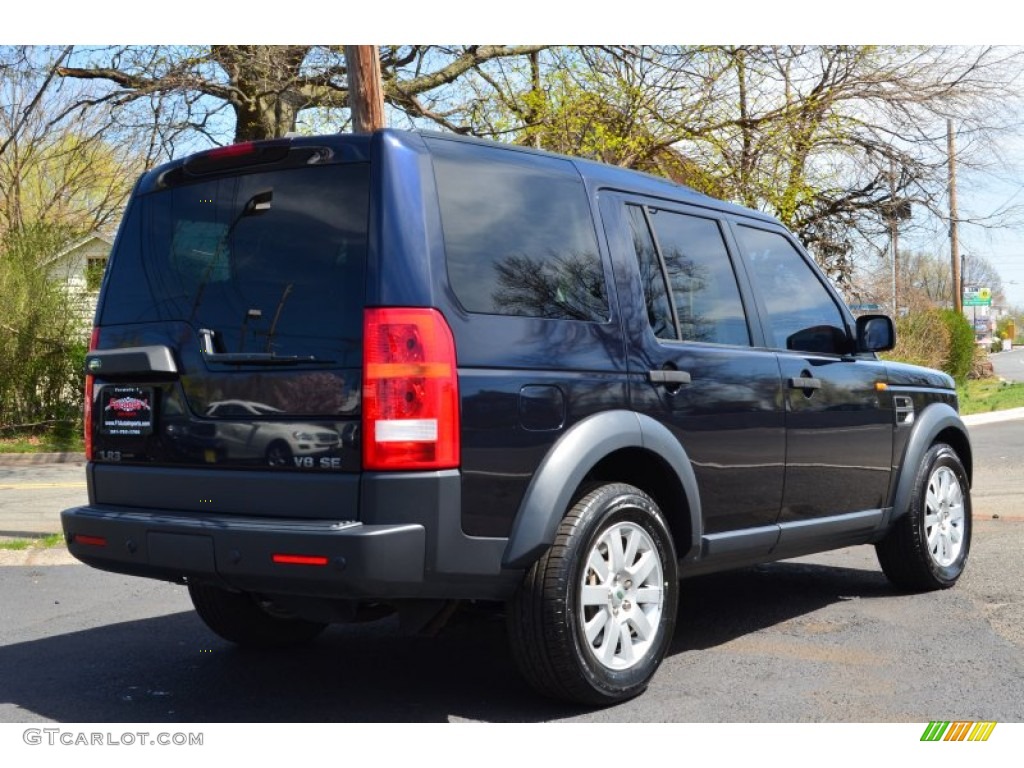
x=405, y=369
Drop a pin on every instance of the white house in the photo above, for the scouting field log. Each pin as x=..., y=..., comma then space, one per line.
x=80, y=267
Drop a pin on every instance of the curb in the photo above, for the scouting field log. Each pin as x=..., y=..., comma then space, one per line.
x=993, y=417
x=22, y=459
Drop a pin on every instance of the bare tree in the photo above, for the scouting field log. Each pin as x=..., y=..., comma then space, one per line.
x=268, y=87
x=59, y=164
x=839, y=142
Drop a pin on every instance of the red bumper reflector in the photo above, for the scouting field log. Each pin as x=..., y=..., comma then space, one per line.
x=92, y=541
x=300, y=559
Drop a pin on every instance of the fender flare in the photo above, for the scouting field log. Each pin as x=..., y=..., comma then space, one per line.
x=573, y=455
x=933, y=420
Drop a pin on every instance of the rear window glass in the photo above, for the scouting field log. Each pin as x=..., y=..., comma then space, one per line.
x=519, y=235
x=271, y=262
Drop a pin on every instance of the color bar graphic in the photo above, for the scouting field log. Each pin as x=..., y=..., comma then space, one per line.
x=960, y=730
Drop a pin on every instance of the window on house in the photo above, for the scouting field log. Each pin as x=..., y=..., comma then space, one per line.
x=94, y=269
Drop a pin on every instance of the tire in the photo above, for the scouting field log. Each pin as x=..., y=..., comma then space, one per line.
x=928, y=547
x=279, y=454
x=584, y=627
x=241, y=618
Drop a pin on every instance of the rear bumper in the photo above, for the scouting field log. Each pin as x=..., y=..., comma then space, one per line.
x=357, y=560
x=408, y=545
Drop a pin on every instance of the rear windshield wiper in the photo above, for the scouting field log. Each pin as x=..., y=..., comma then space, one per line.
x=206, y=337
x=263, y=358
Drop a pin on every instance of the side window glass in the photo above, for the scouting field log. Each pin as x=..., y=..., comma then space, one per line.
x=519, y=234
x=700, y=276
x=652, y=279
x=801, y=313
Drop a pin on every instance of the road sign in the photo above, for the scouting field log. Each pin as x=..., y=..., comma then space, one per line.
x=977, y=297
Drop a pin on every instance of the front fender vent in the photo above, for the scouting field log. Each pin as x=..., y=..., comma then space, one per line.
x=904, y=407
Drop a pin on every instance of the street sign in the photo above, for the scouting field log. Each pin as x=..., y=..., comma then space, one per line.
x=977, y=297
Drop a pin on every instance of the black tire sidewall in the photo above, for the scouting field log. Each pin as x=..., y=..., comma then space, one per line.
x=621, y=505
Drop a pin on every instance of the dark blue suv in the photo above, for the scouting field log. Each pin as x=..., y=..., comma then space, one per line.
x=337, y=375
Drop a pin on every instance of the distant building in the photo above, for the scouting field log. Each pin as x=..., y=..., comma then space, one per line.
x=80, y=267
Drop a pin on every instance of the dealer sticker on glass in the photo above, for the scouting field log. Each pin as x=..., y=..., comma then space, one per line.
x=126, y=410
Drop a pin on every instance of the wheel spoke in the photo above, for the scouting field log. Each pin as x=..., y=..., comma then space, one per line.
x=644, y=566
x=646, y=595
x=598, y=565
x=933, y=536
x=616, y=557
x=595, y=625
x=626, y=642
x=632, y=546
x=956, y=513
x=592, y=594
x=642, y=626
x=611, y=642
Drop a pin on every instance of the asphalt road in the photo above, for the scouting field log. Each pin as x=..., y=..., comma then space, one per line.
x=1009, y=365
x=822, y=638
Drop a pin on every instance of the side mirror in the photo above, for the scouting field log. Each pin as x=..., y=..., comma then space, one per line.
x=875, y=333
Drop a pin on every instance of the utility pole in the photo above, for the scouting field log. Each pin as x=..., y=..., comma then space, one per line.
x=954, y=238
x=893, y=234
x=365, y=91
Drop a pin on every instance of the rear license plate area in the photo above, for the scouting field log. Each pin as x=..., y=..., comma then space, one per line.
x=126, y=411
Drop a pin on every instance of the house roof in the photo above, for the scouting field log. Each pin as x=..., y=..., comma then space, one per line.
x=74, y=246
x=83, y=241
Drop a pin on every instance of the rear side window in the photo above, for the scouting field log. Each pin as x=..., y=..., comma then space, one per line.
x=519, y=235
x=271, y=262
x=688, y=255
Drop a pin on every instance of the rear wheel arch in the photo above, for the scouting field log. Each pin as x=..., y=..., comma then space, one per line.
x=648, y=471
x=613, y=446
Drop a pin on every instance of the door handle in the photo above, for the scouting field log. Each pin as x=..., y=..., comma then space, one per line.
x=669, y=376
x=804, y=382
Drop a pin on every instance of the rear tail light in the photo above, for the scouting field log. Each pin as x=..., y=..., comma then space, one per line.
x=410, y=390
x=92, y=541
x=94, y=341
x=284, y=559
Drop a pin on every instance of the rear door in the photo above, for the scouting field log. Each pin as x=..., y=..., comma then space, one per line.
x=243, y=286
x=694, y=367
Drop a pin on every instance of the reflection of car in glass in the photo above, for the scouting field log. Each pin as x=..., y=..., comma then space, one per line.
x=530, y=379
x=247, y=433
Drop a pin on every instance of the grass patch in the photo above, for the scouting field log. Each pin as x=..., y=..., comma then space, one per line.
x=43, y=542
x=985, y=395
x=62, y=437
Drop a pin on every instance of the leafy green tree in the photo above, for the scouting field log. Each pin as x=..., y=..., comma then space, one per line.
x=42, y=346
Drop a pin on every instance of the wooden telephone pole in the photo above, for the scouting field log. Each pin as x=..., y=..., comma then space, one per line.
x=954, y=235
x=365, y=91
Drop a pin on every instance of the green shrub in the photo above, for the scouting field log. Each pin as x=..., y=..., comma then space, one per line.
x=936, y=338
x=922, y=338
x=960, y=356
